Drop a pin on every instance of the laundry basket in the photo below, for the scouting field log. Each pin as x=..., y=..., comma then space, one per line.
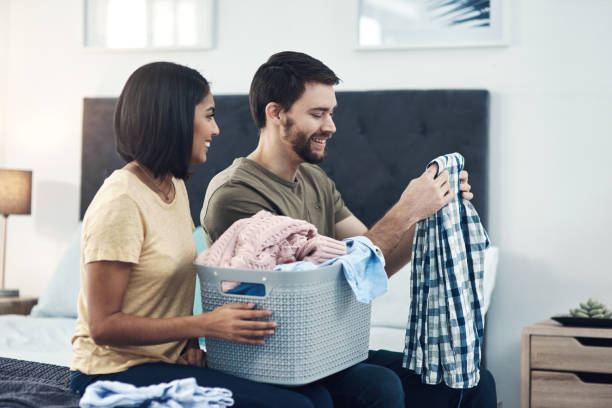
x=322, y=328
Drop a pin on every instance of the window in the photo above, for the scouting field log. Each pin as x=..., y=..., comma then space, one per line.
x=149, y=24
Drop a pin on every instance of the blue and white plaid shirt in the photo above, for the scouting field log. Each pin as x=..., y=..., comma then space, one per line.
x=446, y=324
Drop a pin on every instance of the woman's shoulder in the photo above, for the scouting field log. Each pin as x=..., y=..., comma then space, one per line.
x=123, y=182
x=119, y=180
x=118, y=190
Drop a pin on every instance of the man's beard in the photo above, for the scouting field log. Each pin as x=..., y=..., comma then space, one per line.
x=300, y=142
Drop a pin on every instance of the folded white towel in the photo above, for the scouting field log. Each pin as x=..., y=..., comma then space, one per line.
x=184, y=393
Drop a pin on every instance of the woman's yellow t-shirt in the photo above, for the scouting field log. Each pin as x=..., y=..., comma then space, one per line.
x=128, y=222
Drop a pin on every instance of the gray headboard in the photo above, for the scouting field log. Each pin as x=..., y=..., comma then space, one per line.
x=383, y=139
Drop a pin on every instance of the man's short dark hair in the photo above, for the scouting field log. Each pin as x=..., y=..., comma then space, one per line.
x=154, y=117
x=282, y=79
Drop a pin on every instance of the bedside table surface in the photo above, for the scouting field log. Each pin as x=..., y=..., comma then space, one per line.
x=17, y=299
x=553, y=328
x=17, y=305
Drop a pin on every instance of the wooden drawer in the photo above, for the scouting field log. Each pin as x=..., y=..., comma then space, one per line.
x=567, y=390
x=568, y=354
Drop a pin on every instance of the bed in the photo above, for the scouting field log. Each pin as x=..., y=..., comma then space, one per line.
x=384, y=139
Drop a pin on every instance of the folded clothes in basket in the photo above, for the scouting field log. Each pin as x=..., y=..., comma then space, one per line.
x=363, y=267
x=265, y=240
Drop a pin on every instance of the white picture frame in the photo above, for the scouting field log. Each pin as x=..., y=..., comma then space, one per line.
x=149, y=25
x=401, y=24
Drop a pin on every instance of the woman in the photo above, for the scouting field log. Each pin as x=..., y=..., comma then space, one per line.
x=135, y=323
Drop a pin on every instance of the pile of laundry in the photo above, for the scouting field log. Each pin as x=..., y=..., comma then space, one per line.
x=267, y=241
x=182, y=393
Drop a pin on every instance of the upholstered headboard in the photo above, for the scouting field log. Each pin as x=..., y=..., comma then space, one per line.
x=383, y=139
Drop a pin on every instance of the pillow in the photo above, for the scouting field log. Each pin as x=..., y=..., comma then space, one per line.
x=60, y=298
x=198, y=237
x=392, y=308
x=490, y=275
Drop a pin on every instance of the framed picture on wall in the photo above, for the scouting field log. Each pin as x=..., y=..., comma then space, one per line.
x=430, y=23
x=149, y=24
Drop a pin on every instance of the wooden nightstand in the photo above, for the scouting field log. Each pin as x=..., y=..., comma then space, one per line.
x=565, y=366
x=17, y=305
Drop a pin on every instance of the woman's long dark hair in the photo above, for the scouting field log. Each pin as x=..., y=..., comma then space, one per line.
x=154, y=117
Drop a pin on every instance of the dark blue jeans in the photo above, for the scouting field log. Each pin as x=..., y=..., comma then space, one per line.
x=245, y=393
x=418, y=395
x=380, y=381
x=363, y=385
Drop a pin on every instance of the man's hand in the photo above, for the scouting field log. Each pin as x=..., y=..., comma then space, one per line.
x=192, y=354
x=464, y=187
x=426, y=194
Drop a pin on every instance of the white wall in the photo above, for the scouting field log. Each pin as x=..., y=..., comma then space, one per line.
x=550, y=133
x=4, y=31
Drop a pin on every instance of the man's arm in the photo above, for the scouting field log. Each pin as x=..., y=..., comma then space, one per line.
x=349, y=227
x=394, y=232
x=399, y=256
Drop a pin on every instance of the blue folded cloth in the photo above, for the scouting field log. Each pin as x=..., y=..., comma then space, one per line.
x=363, y=267
x=175, y=394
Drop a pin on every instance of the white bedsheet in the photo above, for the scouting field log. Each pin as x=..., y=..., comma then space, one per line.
x=41, y=339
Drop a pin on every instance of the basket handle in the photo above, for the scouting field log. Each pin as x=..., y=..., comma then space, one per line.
x=219, y=275
x=269, y=279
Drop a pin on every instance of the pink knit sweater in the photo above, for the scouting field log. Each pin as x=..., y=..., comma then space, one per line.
x=259, y=242
x=266, y=240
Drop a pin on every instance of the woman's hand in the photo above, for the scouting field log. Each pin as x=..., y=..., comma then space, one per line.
x=106, y=285
x=192, y=354
x=234, y=321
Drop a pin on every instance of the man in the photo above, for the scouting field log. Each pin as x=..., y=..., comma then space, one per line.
x=292, y=102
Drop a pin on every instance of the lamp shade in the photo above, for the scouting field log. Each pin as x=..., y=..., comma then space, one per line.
x=15, y=191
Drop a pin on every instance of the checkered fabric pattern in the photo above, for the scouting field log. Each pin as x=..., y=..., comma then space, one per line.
x=446, y=324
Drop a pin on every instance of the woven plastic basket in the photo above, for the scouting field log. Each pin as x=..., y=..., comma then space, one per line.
x=322, y=328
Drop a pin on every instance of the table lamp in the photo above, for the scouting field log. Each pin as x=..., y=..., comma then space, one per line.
x=15, y=198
